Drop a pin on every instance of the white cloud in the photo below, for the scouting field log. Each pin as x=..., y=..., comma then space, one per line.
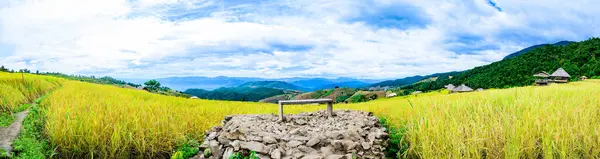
x=157, y=38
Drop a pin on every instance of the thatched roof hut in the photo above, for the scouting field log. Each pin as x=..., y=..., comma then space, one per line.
x=391, y=95
x=450, y=86
x=560, y=76
x=479, y=89
x=462, y=88
x=560, y=72
x=416, y=92
x=194, y=97
x=542, y=74
x=583, y=78
x=142, y=88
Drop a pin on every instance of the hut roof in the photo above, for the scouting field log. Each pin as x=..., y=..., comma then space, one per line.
x=560, y=72
x=391, y=95
x=462, y=88
x=450, y=86
x=141, y=88
x=542, y=74
x=194, y=97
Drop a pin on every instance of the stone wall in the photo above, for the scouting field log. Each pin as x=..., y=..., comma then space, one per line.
x=349, y=134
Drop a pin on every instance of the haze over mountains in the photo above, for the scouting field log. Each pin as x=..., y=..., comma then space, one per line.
x=212, y=83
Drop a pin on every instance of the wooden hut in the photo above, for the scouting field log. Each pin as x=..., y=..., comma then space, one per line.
x=450, y=86
x=583, y=78
x=194, y=97
x=479, y=89
x=391, y=95
x=462, y=88
x=560, y=76
x=142, y=88
x=542, y=79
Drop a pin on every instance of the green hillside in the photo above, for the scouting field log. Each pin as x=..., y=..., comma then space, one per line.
x=236, y=93
x=578, y=59
x=274, y=84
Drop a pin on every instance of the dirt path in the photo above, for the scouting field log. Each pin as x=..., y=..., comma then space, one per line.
x=9, y=134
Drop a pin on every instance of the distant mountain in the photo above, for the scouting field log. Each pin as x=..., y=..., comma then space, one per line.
x=313, y=83
x=236, y=93
x=577, y=58
x=211, y=83
x=349, y=84
x=399, y=82
x=274, y=84
x=561, y=43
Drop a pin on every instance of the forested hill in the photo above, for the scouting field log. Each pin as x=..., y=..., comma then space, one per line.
x=274, y=84
x=236, y=93
x=578, y=59
x=561, y=43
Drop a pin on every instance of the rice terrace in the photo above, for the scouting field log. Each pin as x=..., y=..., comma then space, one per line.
x=273, y=79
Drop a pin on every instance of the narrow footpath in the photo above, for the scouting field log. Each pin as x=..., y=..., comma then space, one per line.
x=10, y=133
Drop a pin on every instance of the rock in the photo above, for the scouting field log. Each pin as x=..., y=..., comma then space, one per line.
x=349, y=145
x=365, y=145
x=228, y=153
x=307, y=135
x=293, y=144
x=236, y=145
x=254, y=146
x=276, y=154
x=212, y=136
x=300, y=121
x=313, y=141
x=334, y=156
x=269, y=139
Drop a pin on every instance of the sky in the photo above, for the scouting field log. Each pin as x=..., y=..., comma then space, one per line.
x=375, y=39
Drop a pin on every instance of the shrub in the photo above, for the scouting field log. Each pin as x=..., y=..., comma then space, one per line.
x=397, y=146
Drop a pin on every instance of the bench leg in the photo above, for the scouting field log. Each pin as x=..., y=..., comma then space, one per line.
x=330, y=109
x=280, y=112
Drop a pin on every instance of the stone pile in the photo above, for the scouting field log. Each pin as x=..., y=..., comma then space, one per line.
x=349, y=134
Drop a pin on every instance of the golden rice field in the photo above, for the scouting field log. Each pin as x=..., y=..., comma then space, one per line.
x=558, y=121
x=16, y=89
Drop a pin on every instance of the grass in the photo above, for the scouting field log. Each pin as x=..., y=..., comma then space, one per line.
x=17, y=89
x=32, y=142
x=559, y=121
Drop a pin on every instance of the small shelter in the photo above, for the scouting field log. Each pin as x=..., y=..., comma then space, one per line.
x=479, y=89
x=450, y=86
x=391, y=95
x=560, y=76
x=142, y=88
x=583, y=78
x=462, y=88
x=194, y=97
x=542, y=79
x=416, y=92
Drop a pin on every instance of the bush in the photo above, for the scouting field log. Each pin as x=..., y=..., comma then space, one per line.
x=186, y=150
x=397, y=146
x=358, y=98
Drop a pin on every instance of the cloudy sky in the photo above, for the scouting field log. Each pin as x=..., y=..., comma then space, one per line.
x=268, y=38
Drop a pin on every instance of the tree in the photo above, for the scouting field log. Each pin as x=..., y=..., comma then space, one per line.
x=3, y=69
x=152, y=85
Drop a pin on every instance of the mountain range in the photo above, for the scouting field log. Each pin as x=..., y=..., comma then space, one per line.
x=212, y=83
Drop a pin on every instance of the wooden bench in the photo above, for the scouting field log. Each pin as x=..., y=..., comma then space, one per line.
x=308, y=101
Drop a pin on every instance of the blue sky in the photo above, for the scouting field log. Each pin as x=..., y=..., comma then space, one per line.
x=378, y=39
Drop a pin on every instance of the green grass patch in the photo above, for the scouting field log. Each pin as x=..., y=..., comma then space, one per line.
x=6, y=119
x=3, y=153
x=186, y=150
x=397, y=146
x=32, y=143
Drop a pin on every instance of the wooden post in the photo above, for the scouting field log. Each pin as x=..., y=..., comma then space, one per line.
x=330, y=109
x=281, y=111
